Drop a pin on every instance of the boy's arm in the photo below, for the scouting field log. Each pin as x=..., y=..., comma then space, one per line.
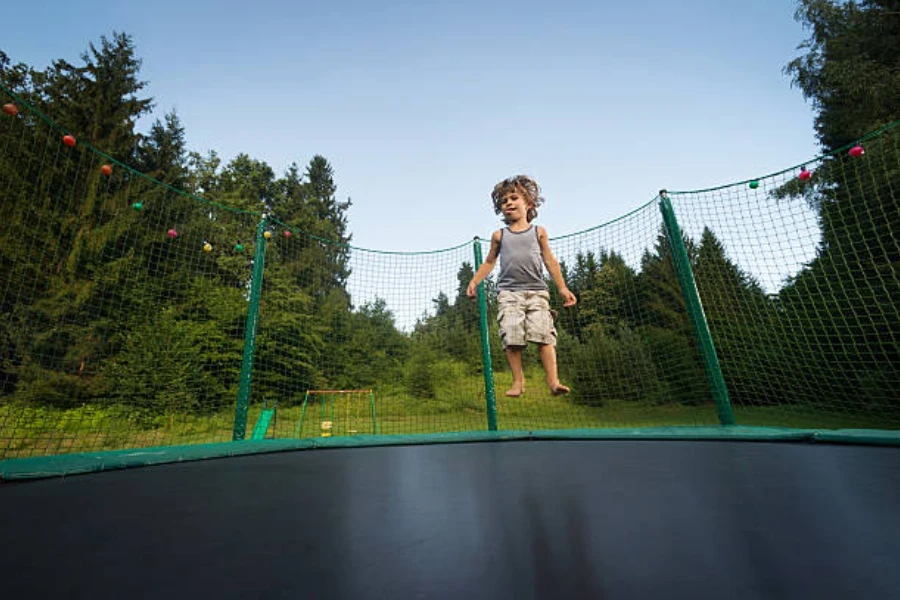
x=486, y=267
x=552, y=265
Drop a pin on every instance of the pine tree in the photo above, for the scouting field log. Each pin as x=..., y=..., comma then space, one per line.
x=330, y=218
x=99, y=101
x=162, y=154
x=842, y=302
x=660, y=291
x=668, y=335
x=63, y=322
x=740, y=320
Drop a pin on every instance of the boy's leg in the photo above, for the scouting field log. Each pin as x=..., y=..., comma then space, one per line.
x=512, y=333
x=548, y=359
x=514, y=357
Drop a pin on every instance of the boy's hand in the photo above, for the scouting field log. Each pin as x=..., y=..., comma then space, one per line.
x=472, y=290
x=568, y=297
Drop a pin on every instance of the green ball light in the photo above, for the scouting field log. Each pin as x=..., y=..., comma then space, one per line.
x=754, y=184
x=138, y=206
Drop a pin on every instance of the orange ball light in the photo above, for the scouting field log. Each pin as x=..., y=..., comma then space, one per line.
x=106, y=170
x=10, y=109
x=69, y=140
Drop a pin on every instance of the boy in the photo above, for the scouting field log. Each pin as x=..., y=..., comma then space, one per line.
x=523, y=297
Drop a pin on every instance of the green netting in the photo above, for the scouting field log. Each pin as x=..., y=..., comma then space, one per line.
x=626, y=348
x=392, y=328
x=800, y=287
x=123, y=302
x=135, y=315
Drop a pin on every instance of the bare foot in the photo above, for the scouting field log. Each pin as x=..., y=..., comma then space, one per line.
x=515, y=391
x=559, y=389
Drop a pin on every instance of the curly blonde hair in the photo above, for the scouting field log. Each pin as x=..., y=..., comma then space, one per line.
x=524, y=185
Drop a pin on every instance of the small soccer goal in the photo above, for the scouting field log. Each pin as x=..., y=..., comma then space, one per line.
x=340, y=413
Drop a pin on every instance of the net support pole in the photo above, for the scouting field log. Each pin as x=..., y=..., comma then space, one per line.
x=374, y=415
x=298, y=432
x=243, y=400
x=489, y=398
x=695, y=311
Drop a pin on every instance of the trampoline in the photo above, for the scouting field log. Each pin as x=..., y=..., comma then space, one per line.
x=500, y=519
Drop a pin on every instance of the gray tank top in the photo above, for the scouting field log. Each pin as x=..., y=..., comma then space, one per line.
x=521, y=265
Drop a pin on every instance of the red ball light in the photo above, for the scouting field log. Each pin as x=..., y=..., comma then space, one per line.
x=106, y=170
x=287, y=233
x=10, y=109
x=805, y=175
x=172, y=233
x=857, y=151
x=69, y=140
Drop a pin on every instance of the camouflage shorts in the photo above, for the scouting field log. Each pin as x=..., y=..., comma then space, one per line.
x=525, y=317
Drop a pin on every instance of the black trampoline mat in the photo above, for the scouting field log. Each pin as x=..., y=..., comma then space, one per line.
x=536, y=519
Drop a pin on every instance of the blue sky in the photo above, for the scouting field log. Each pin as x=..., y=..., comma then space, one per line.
x=421, y=107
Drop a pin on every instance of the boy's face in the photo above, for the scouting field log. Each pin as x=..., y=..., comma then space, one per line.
x=514, y=204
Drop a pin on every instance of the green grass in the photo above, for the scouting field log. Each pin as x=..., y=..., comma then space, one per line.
x=38, y=431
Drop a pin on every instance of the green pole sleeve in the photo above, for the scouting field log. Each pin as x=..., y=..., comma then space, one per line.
x=298, y=432
x=243, y=401
x=695, y=311
x=374, y=415
x=489, y=397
